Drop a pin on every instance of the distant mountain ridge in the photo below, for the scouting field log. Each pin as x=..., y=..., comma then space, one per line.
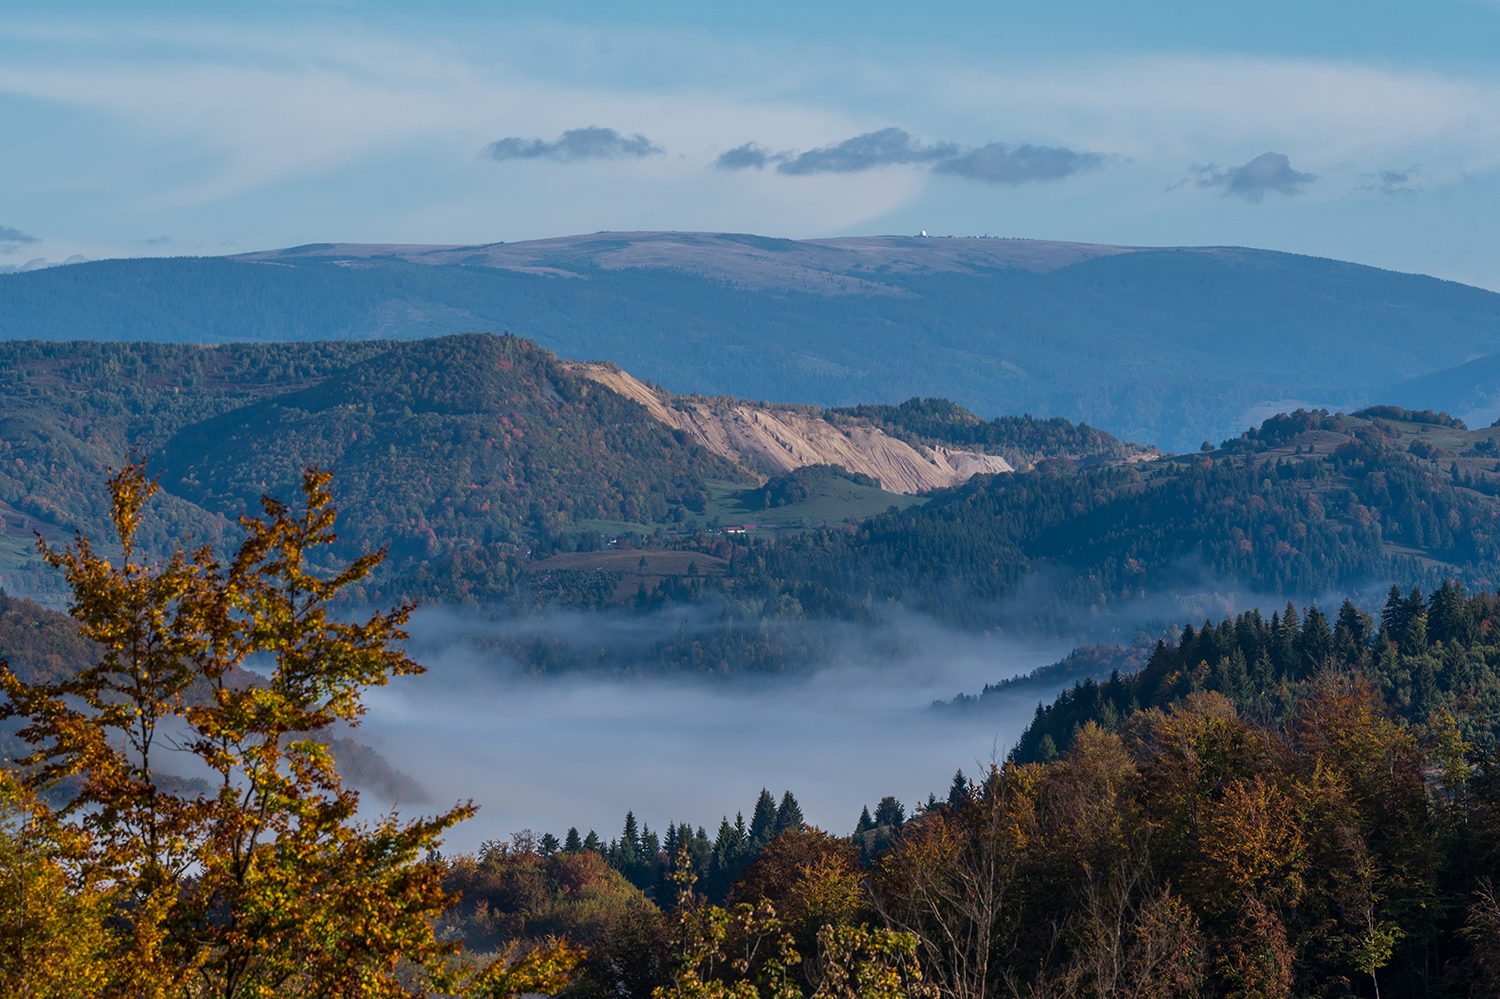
x=1170, y=346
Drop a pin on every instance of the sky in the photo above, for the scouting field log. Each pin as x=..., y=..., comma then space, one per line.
x=1366, y=131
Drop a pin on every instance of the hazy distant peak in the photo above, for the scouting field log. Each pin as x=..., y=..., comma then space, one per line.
x=843, y=265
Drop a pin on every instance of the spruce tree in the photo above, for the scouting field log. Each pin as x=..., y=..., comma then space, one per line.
x=889, y=812
x=865, y=822
x=763, y=823
x=572, y=844
x=1315, y=642
x=958, y=791
x=1393, y=615
x=650, y=844
x=789, y=815
x=591, y=842
x=630, y=842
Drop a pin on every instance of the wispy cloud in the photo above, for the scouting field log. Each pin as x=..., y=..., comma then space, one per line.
x=1251, y=181
x=997, y=162
x=887, y=147
x=744, y=157
x=16, y=236
x=1002, y=164
x=1405, y=181
x=592, y=143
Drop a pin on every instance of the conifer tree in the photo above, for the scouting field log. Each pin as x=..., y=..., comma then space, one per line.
x=889, y=812
x=573, y=844
x=591, y=843
x=865, y=822
x=1314, y=643
x=630, y=842
x=763, y=822
x=789, y=815
x=958, y=791
x=1352, y=633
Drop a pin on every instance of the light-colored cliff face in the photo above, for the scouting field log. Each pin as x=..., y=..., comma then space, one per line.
x=780, y=439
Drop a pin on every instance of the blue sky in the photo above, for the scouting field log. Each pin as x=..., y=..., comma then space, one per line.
x=1368, y=131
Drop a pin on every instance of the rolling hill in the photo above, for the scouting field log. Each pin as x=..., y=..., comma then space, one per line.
x=441, y=446
x=1169, y=346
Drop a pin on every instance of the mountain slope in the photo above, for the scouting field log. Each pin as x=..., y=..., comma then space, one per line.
x=1166, y=346
x=780, y=438
x=469, y=443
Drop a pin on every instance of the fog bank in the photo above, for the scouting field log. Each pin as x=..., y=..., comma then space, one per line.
x=549, y=753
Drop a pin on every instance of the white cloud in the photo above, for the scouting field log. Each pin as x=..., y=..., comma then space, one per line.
x=176, y=118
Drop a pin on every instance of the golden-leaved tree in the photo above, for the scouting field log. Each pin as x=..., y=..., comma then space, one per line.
x=267, y=885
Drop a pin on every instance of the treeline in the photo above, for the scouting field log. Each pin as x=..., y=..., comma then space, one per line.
x=1021, y=439
x=1113, y=535
x=1190, y=849
x=1105, y=539
x=1430, y=657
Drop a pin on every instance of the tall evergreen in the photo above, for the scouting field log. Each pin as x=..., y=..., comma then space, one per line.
x=889, y=813
x=958, y=791
x=865, y=822
x=788, y=815
x=573, y=844
x=763, y=822
x=630, y=841
x=1314, y=643
x=1353, y=633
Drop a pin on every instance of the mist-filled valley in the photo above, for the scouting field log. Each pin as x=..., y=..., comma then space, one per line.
x=565, y=662
x=549, y=752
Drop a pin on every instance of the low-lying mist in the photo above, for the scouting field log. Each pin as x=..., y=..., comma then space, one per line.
x=581, y=746
x=547, y=753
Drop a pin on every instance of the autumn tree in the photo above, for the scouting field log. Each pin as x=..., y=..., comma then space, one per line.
x=267, y=884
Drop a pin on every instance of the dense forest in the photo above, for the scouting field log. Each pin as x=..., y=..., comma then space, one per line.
x=1428, y=656
x=458, y=448
x=1260, y=808
x=1027, y=438
x=1304, y=504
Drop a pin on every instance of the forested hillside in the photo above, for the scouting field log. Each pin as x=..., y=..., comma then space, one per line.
x=1301, y=505
x=472, y=448
x=474, y=458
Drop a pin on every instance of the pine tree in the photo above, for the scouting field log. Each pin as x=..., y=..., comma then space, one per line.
x=549, y=845
x=591, y=842
x=1352, y=633
x=573, y=844
x=763, y=823
x=889, y=812
x=1414, y=642
x=1239, y=677
x=650, y=844
x=1393, y=615
x=958, y=791
x=789, y=815
x=630, y=842
x=1314, y=643
x=865, y=822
